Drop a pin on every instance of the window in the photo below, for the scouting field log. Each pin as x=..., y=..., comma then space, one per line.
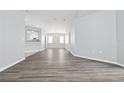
x=50, y=39
x=61, y=39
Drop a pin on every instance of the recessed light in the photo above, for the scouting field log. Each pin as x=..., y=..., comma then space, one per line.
x=64, y=19
x=54, y=18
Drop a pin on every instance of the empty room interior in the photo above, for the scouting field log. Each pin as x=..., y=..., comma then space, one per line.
x=61, y=45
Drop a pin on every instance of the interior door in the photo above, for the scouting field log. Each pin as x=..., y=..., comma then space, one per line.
x=55, y=40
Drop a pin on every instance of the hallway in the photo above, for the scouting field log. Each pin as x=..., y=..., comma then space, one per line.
x=59, y=65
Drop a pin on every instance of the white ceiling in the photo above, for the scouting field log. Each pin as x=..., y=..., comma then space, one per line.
x=82, y=13
x=51, y=20
x=59, y=14
x=52, y=13
x=54, y=21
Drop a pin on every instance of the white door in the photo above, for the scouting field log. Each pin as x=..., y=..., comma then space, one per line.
x=55, y=40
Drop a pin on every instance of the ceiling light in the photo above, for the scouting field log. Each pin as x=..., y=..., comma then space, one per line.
x=54, y=19
x=64, y=19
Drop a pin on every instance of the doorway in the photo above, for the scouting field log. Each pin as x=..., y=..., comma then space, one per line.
x=55, y=40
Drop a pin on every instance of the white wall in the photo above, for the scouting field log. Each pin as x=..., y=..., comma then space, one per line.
x=33, y=46
x=120, y=36
x=34, y=22
x=72, y=37
x=95, y=36
x=67, y=39
x=12, y=32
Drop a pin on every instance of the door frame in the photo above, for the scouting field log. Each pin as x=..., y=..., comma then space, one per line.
x=59, y=34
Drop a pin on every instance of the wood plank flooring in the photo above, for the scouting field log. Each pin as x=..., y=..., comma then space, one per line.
x=58, y=65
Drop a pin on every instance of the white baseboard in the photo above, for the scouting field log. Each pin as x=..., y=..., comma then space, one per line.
x=34, y=50
x=67, y=49
x=99, y=60
x=12, y=64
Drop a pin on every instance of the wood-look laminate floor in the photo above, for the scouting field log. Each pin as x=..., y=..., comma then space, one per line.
x=58, y=65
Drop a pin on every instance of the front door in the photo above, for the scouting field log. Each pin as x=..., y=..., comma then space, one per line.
x=55, y=40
